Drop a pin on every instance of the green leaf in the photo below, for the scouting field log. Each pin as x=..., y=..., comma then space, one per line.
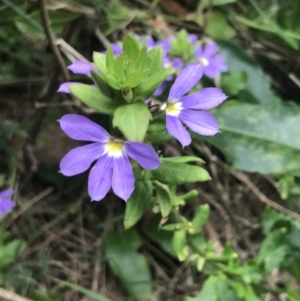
x=110, y=60
x=132, y=120
x=234, y=82
x=100, y=61
x=131, y=47
x=257, y=87
x=182, y=159
x=117, y=16
x=207, y=3
x=154, y=62
x=138, y=203
x=120, y=68
x=93, y=98
x=259, y=138
x=133, y=80
x=162, y=238
x=273, y=250
x=163, y=198
x=201, y=217
x=208, y=292
x=180, y=173
x=150, y=84
x=102, y=85
x=88, y=293
x=127, y=264
x=280, y=32
x=139, y=63
x=218, y=26
x=179, y=244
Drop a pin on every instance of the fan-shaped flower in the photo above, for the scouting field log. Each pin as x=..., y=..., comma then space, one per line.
x=185, y=109
x=113, y=168
x=213, y=64
x=6, y=205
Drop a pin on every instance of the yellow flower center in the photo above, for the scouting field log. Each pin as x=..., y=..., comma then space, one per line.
x=173, y=108
x=114, y=148
x=204, y=61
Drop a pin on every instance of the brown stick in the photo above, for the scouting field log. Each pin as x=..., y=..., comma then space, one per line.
x=51, y=40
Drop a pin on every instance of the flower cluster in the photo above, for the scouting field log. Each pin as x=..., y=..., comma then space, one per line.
x=111, y=155
x=6, y=205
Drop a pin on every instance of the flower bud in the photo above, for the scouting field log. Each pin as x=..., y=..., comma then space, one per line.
x=127, y=94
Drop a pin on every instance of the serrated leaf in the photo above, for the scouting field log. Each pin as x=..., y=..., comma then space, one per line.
x=138, y=203
x=93, y=98
x=180, y=173
x=132, y=120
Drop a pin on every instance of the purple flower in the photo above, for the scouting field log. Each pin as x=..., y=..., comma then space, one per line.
x=116, y=48
x=113, y=167
x=193, y=38
x=184, y=109
x=6, y=205
x=213, y=64
x=78, y=67
x=81, y=67
x=167, y=63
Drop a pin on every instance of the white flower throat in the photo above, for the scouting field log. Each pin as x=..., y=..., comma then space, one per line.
x=204, y=61
x=172, y=108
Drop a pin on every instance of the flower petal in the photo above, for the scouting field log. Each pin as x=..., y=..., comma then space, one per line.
x=150, y=42
x=200, y=122
x=178, y=131
x=165, y=44
x=186, y=80
x=199, y=52
x=64, y=87
x=79, y=159
x=123, y=178
x=81, y=128
x=6, y=206
x=116, y=48
x=205, y=99
x=178, y=63
x=219, y=62
x=81, y=67
x=160, y=89
x=100, y=178
x=193, y=38
x=142, y=153
x=6, y=193
x=210, y=50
